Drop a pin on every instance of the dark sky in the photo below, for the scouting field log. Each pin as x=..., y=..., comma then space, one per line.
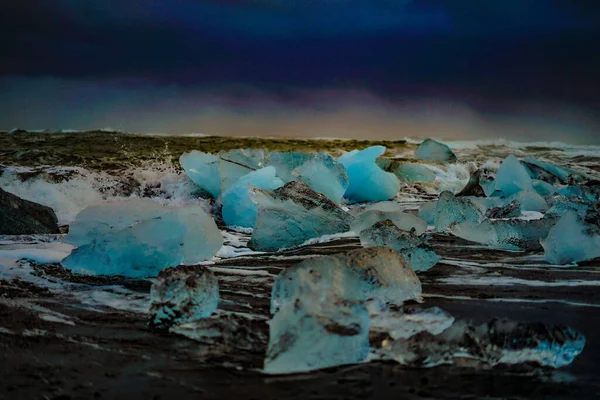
x=304, y=67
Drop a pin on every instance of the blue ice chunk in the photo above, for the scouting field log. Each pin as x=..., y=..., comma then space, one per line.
x=415, y=251
x=286, y=162
x=305, y=337
x=182, y=295
x=451, y=209
x=324, y=175
x=238, y=208
x=561, y=205
x=368, y=182
x=537, y=168
x=512, y=177
x=401, y=219
x=111, y=243
x=238, y=162
x=427, y=212
x=432, y=150
x=543, y=188
x=292, y=214
x=571, y=240
x=203, y=170
x=579, y=192
x=529, y=200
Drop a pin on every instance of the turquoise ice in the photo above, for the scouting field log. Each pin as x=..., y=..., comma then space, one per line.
x=324, y=175
x=203, y=170
x=571, y=241
x=512, y=177
x=432, y=150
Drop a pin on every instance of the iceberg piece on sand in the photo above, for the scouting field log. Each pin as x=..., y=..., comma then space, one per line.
x=238, y=208
x=529, y=200
x=238, y=162
x=401, y=219
x=376, y=273
x=495, y=342
x=324, y=175
x=427, y=212
x=203, y=170
x=286, y=162
x=512, y=233
x=549, y=172
x=309, y=334
x=410, y=321
x=415, y=251
x=451, y=209
x=571, y=240
x=512, y=177
x=181, y=295
x=432, y=150
x=543, y=188
x=368, y=182
x=136, y=238
x=407, y=172
x=292, y=214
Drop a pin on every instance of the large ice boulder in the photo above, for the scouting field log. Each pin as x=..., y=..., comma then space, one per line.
x=415, y=250
x=451, y=209
x=512, y=177
x=511, y=233
x=368, y=182
x=139, y=237
x=292, y=214
x=238, y=208
x=181, y=295
x=571, y=240
x=432, y=150
x=203, y=170
x=378, y=274
x=324, y=175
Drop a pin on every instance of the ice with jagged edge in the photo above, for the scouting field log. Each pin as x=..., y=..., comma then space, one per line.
x=368, y=182
x=238, y=208
x=571, y=240
x=415, y=251
x=370, y=217
x=183, y=294
x=286, y=162
x=506, y=233
x=203, y=170
x=451, y=209
x=292, y=214
x=432, y=150
x=139, y=237
x=512, y=177
x=377, y=273
x=407, y=172
x=549, y=172
x=324, y=175
x=492, y=343
x=408, y=322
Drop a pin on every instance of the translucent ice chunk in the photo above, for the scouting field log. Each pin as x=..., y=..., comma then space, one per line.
x=543, y=188
x=376, y=273
x=238, y=162
x=203, y=170
x=427, y=212
x=431, y=150
x=181, y=295
x=529, y=201
x=286, y=162
x=415, y=251
x=562, y=205
x=238, y=208
x=324, y=175
x=368, y=182
x=510, y=210
x=401, y=219
x=492, y=343
x=571, y=240
x=156, y=239
x=540, y=169
x=451, y=209
x=512, y=233
x=512, y=177
x=303, y=337
x=407, y=172
x=292, y=214
x=408, y=322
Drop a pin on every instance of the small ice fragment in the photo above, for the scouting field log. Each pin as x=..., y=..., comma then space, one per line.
x=238, y=208
x=324, y=175
x=368, y=182
x=571, y=240
x=286, y=162
x=415, y=251
x=203, y=170
x=510, y=210
x=182, y=294
x=401, y=219
x=408, y=322
x=432, y=150
x=407, y=172
x=292, y=214
x=451, y=209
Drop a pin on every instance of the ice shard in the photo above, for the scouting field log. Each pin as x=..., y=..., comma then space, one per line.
x=239, y=162
x=549, y=172
x=401, y=219
x=136, y=238
x=409, y=321
x=511, y=233
x=238, y=208
x=182, y=294
x=492, y=343
x=510, y=210
x=451, y=209
x=432, y=150
x=571, y=240
x=368, y=182
x=415, y=251
x=203, y=170
x=405, y=171
x=512, y=177
x=324, y=175
x=286, y=162
x=292, y=214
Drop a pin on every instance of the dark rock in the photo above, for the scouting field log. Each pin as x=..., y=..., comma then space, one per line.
x=473, y=188
x=24, y=217
x=510, y=210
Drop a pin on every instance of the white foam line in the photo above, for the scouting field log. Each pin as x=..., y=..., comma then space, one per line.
x=507, y=300
x=509, y=281
x=532, y=267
